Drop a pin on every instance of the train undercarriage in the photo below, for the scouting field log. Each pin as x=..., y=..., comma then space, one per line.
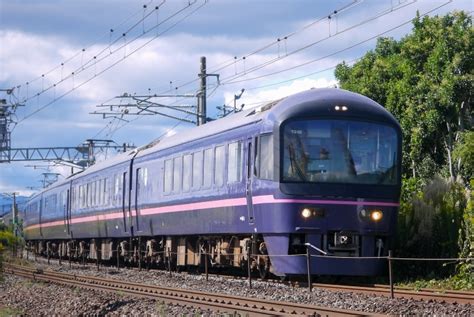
x=165, y=252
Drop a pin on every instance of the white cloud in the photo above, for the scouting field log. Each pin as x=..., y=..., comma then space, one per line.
x=255, y=98
x=175, y=58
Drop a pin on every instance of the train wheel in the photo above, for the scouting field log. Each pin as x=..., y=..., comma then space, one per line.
x=263, y=270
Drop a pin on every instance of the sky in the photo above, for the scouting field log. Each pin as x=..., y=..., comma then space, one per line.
x=64, y=58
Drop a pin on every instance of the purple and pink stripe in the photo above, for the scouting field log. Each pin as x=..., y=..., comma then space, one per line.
x=233, y=202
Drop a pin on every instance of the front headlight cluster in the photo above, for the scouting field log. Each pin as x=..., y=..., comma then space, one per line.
x=308, y=212
x=375, y=214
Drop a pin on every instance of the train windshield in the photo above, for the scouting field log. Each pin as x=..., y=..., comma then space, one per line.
x=339, y=151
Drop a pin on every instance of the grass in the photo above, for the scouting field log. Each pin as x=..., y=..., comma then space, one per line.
x=457, y=282
x=7, y=311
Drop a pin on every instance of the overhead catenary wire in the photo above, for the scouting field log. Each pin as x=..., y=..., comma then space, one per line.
x=72, y=57
x=332, y=13
x=302, y=76
x=92, y=62
x=230, y=62
x=329, y=55
x=231, y=79
x=338, y=51
x=378, y=15
x=328, y=68
x=116, y=62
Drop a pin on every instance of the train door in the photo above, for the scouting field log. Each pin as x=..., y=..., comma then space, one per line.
x=125, y=201
x=40, y=215
x=68, y=211
x=250, y=150
x=137, y=193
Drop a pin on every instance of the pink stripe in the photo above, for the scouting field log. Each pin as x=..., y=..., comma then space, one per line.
x=257, y=200
x=196, y=206
x=269, y=199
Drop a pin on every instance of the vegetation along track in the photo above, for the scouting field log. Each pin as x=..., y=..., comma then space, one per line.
x=460, y=297
x=426, y=294
x=203, y=300
x=448, y=296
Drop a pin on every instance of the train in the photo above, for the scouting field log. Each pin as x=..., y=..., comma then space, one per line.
x=317, y=172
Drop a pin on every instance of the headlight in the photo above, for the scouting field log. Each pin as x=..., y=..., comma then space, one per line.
x=376, y=215
x=306, y=212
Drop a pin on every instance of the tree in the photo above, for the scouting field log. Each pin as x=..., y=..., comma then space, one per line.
x=426, y=81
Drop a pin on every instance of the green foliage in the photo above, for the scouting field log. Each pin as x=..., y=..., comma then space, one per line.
x=7, y=311
x=428, y=225
x=464, y=155
x=426, y=81
x=465, y=269
x=6, y=239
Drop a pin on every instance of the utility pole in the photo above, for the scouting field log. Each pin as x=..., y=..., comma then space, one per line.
x=15, y=215
x=14, y=211
x=201, y=110
x=144, y=105
x=8, y=106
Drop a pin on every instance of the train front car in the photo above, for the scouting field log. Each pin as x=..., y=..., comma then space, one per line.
x=337, y=160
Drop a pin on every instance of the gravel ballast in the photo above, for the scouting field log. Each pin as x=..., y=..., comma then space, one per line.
x=224, y=285
x=28, y=298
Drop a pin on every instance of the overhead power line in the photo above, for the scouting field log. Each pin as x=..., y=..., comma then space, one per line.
x=232, y=78
x=338, y=51
x=231, y=62
x=78, y=53
x=123, y=58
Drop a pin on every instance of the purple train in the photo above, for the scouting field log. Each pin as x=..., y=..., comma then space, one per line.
x=319, y=168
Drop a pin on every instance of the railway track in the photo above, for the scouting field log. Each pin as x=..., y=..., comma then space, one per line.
x=460, y=297
x=426, y=294
x=215, y=302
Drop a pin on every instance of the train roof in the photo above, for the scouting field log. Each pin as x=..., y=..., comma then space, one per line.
x=310, y=103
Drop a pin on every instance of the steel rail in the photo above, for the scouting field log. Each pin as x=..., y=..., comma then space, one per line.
x=203, y=300
x=462, y=297
x=426, y=294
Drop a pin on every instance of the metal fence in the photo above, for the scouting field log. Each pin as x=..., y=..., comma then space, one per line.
x=142, y=255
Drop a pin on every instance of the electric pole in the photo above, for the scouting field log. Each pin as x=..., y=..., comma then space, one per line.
x=201, y=110
x=144, y=105
x=14, y=211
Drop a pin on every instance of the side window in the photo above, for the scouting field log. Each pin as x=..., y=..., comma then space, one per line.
x=79, y=198
x=94, y=194
x=187, y=172
x=168, y=176
x=106, y=192
x=116, y=189
x=234, y=164
x=89, y=194
x=177, y=166
x=84, y=196
x=102, y=192
x=98, y=192
x=265, y=156
x=219, y=166
x=197, y=170
x=145, y=177
x=208, y=160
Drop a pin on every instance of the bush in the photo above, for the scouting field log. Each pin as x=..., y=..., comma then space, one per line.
x=428, y=225
x=6, y=239
x=465, y=270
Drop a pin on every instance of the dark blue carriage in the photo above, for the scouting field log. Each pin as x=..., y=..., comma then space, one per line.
x=320, y=167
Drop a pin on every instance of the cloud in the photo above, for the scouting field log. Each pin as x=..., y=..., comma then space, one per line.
x=252, y=99
x=38, y=37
